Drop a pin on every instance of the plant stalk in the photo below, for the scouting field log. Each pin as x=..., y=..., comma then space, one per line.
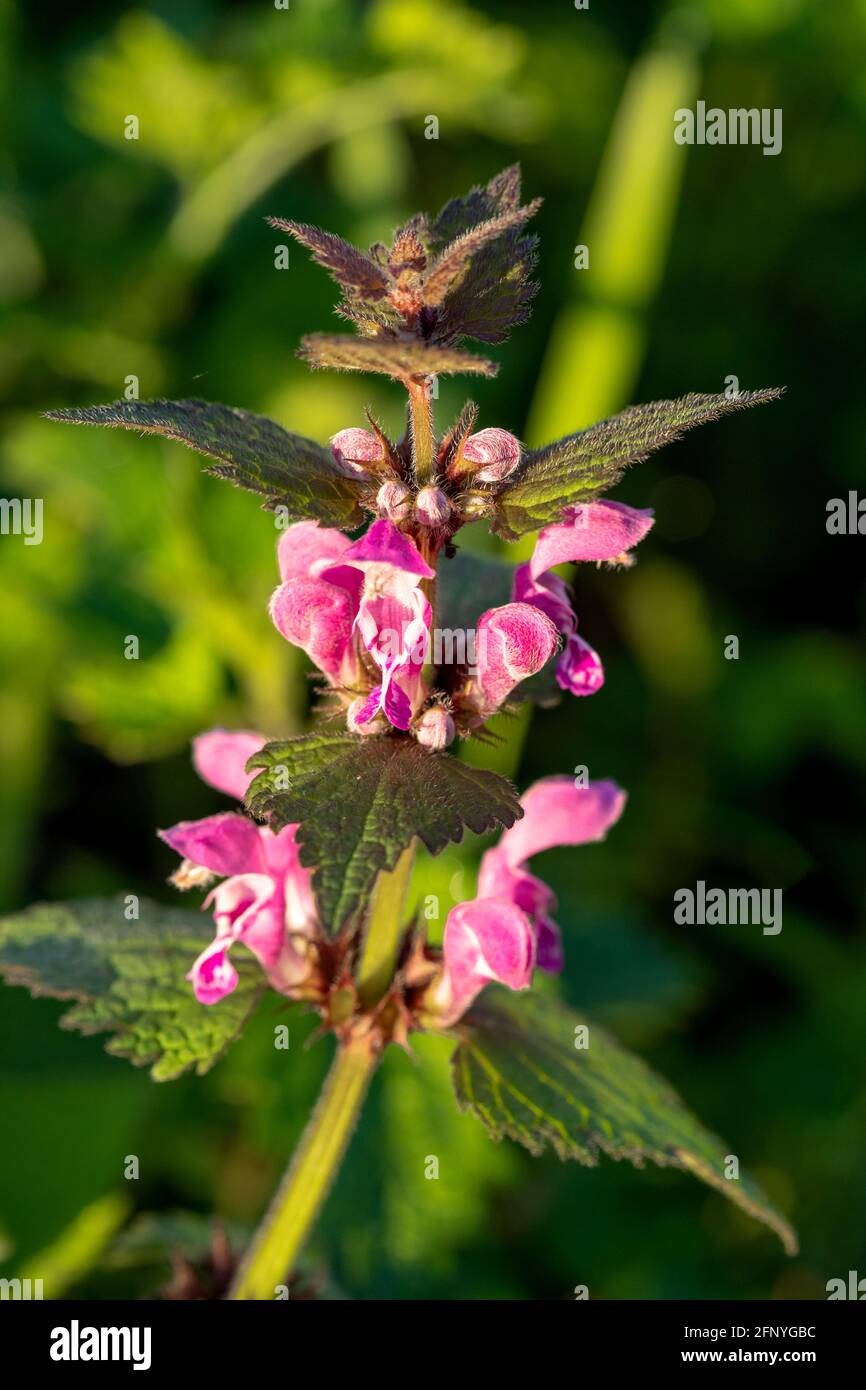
x=423, y=442
x=384, y=931
x=295, y=1206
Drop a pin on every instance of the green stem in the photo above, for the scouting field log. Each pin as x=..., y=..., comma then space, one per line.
x=291, y=1215
x=384, y=930
x=421, y=415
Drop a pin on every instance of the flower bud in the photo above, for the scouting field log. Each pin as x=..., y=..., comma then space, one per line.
x=354, y=449
x=435, y=729
x=432, y=507
x=497, y=451
x=394, y=501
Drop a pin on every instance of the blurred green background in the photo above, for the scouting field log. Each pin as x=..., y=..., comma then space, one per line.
x=151, y=258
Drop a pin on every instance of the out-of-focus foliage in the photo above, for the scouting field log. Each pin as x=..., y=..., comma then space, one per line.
x=151, y=259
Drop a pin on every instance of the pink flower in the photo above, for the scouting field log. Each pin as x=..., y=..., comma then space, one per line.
x=339, y=598
x=512, y=643
x=595, y=531
x=265, y=899
x=485, y=940
x=506, y=930
x=555, y=812
x=382, y=573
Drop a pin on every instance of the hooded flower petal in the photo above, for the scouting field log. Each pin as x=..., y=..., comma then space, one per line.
x=306, y=544
x=484, y=940
x=225, y=844
x=319, y=618
x=594, y=531
x=383, y=544
x=512, y=643
x=555, y=812
x=220, y=757
x=392, y=617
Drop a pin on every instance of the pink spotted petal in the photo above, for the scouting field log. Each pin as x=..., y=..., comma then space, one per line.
x=220, y=756
x=512, y=643
x=579, y=669
x=594, y=531
x=213, y=976
x=307, y=544
x=384, y=544
x=225, y=844
x=486, y=939
x=318, y=617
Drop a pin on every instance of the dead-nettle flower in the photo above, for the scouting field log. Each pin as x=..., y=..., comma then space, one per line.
x=370, y=572
x=506, y=930
x=265, y=899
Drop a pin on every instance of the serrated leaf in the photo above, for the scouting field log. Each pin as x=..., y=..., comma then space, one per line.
x=460, y=255
x=361, y=802
x=353, y=271
x=251, y=450
x=390, y=356
x=518, y=1071
x=128, y=979
x=499, y=196
x=582, y=465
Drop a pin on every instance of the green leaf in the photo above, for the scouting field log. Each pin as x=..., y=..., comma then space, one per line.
x=361, y=802
x=128, y=979
x=252, y=451
x=581, y=466
x=518, y=1070
x=389, y=356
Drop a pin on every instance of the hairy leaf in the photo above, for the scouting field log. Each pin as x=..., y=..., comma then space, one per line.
x=128, y=979
x=252, y=451
x=518, y=1070
x=459, y=256
x=581, y=466
x=353, y=271
x=396, y=357
x=501, y=195
x=361, y=802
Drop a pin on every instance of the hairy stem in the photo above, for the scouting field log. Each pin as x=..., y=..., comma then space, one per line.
x=421, y=416
x=292, y=1212
x=384, y=930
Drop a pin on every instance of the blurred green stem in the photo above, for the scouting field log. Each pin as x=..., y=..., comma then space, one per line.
x=293, y=1211
x=291, y=1215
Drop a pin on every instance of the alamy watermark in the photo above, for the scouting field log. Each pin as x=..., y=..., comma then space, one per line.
x=703, y=906
x=738, y=125
x=22, y=516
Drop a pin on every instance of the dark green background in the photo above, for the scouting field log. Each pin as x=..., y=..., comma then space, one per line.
x=152, y=258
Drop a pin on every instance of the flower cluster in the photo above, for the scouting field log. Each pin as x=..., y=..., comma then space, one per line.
x=265, y=900
x=363, y=610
